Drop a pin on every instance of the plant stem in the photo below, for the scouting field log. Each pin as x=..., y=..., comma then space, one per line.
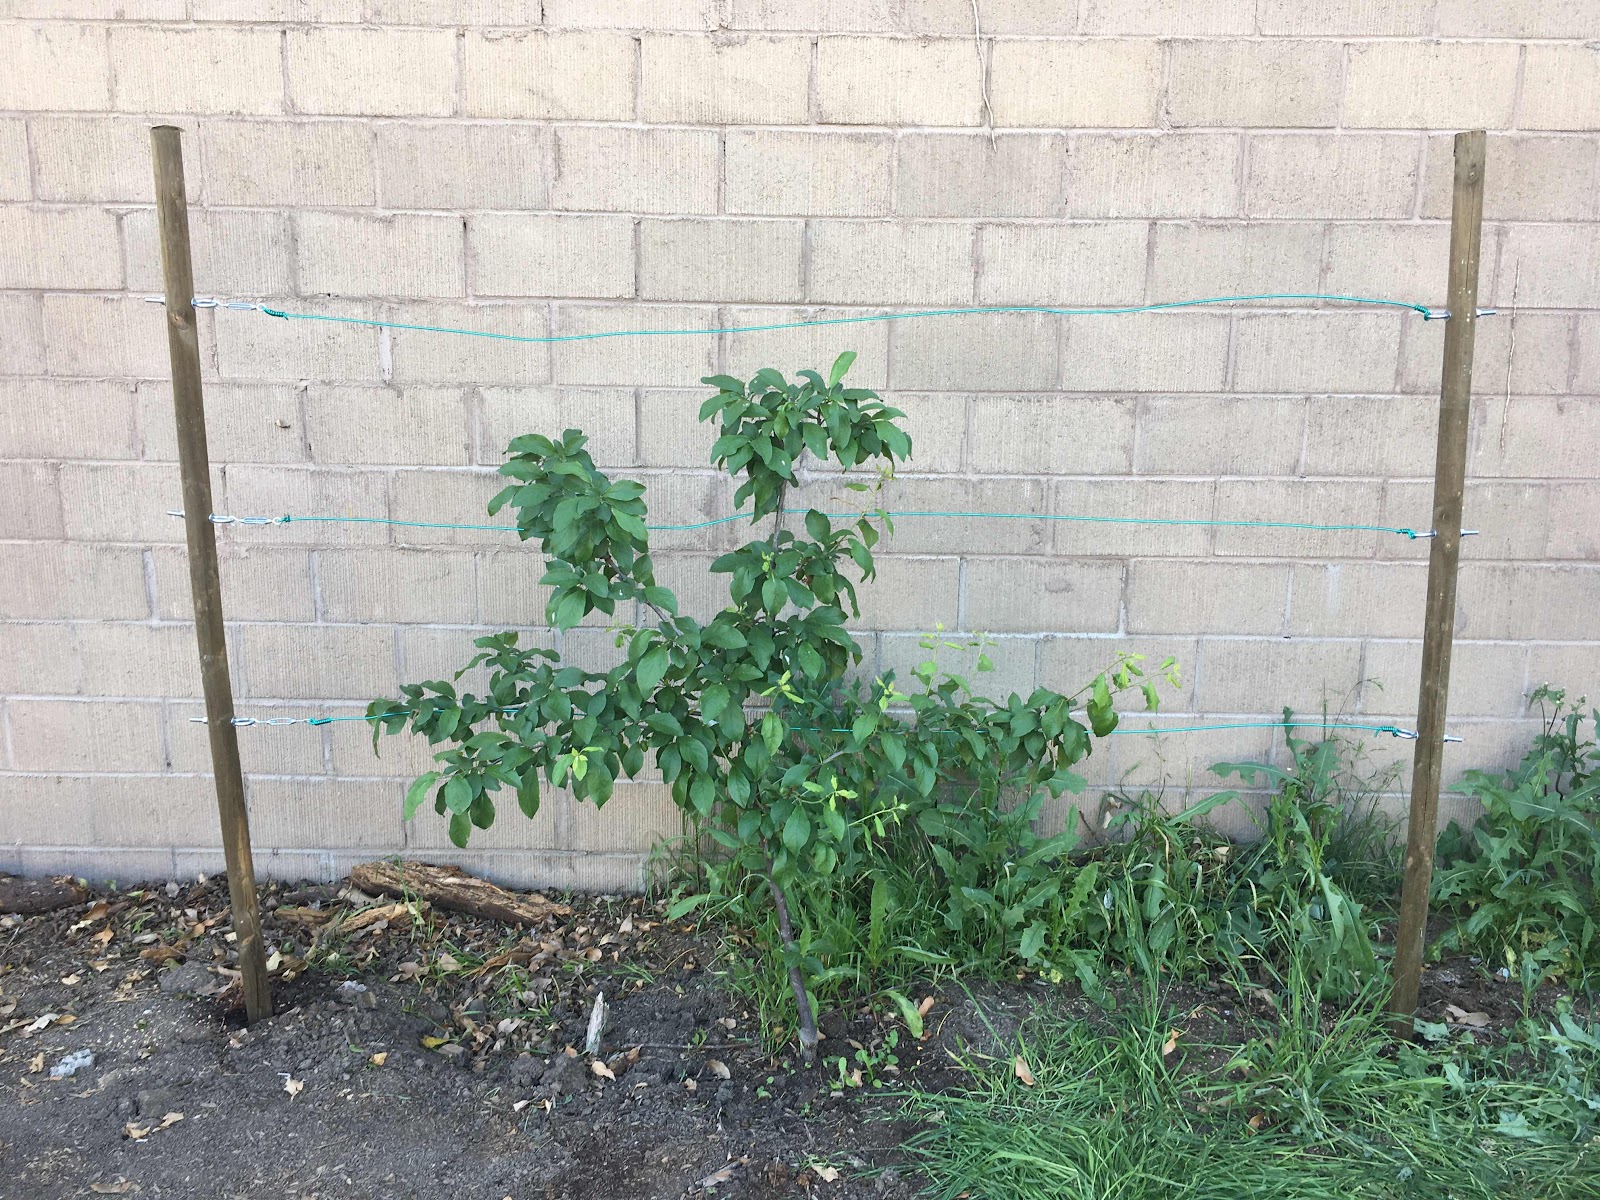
x=808, y=1020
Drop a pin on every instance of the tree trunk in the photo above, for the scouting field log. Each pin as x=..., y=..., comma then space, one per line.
x=797, y=981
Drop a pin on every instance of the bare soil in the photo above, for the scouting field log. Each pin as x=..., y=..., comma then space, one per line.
x=421, y=1055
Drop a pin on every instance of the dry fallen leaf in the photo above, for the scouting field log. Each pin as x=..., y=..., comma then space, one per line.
x=136, y=1132
x=42, y=1022
x=294, y=1086
x=1020, y=1067
x=600, y=1069
x=690, y=1085
x=1256, y=1121
x=172, y=1118
x=718, y=1068
x=103, y=937
x=826, y=1173
x=519, y=1105
x=433, y=1042
x=120, y=1188
x=378, y=1059
x=72, y=980
x=922, y=1008
x=448, y=963
x=723, y=1174
x=36, y=1063
x=1171, y=1043
x=1459, y=1016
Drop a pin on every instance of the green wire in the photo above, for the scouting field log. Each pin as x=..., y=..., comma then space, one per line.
x=288, y=519
x=899, y=316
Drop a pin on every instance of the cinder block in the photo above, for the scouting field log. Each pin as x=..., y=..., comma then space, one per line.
x=59, y=248
x=791, y=350
x=512, y=595
x=881, y=262
x=1542, y=437
x=1153, y=175
x=463, y=166
x=637, y=817
x=897, y=81
x=1180, y=351
x=724, y=79
x=1168, y=499
x=245, y=423
x=1561, y=87
x=1312, y=502
x=561, y=76
x=631, y=14
x=360, y=425
x=315, y=662
x=601, y=169
x=287, y=750
x=1573, y=668
x=1487, y=679
x=1052, y=435
x=430, y=652
x=721, y=260
x=260, y=582
x=783, y=173
x=913, y=594
x=1516, y=601
x=1521, y=19
x=1574, y=522
x=1176, y=596
x=1177, y=770
x=1075, y=84
x=1543, y=352
x=1468, y=84
x=97, y=10
x=825, y=16
x=77, y=735
x=981, y=175
x=424, y=356
x=1344, y=18
x=273, y=491
x=402, y=756
x=388, y=584
x=1062, y=265
x=319, y=12
x=1383, y=436
x=1237, y=82
x=1030, y=595
x=937, y=424
x=605, y=415
x=542, y=255
x=1586, y=370
x=234, y=251
x=1068, y=663
x=1165, y=17
x=40, y=658
x=59, y=418
x=56, y=68
x=1395, y=262
x=67, y=580
x=511, y=830
x=952, y=535
x=136, y=811
x=1513, y=519
x=700, y=594
x=34, y=512
x=661, y=361
x=372, y=72
x=993, y=352
x=16, y=173
x=289, y=164
x=1336, y=351
x=1184, y=435
x=207, y=69
x=1196, y=259
x=1558, y=266
x=670, y=432
x=461, y=497
x=1250, y=675
x=122, y=502
x=1358, y=600
x=353, y=254
x=327, y=813
x=1524, y=178
x=1012, y=660
x=1346, y=176
x=252, y=346
x=446, y=12
x=22, y=352
x=679, y=498
x=99, y=158
x=118, y=659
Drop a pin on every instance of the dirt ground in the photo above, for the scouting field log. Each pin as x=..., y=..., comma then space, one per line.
x=422, y=1055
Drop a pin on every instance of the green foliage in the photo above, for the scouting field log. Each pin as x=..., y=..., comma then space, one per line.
x=1308, y=1108
x=797, y=773
x=1522, y=882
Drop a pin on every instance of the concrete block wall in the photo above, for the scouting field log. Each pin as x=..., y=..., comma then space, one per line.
x=577, y=166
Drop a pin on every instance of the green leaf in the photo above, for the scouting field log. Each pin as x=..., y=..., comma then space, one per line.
x=797, y=830
x=1032, y=941
x=460, y=829
x=908, y=1012
x=712, y=701
x=569, y=610
x=840, y=366
x=772, y=731
x=651, y=668
x=528, y=792
x=482, y=812
x=687, y=904
x=457, y=794
x=418, y=792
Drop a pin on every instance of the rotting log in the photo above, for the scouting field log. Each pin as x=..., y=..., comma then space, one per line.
x=452, y=888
